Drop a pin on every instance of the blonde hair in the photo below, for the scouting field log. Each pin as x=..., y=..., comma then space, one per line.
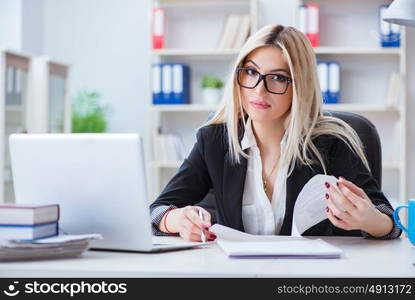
x=305, y=120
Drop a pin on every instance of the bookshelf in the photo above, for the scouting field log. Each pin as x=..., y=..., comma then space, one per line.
x=34, y=100
x=365, y=72
x=204, y=58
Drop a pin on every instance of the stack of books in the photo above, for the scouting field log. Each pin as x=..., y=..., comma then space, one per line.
x=29, y=232
x=28, y=222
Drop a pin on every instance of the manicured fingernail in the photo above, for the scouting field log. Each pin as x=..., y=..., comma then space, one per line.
x=327, y=196
x=337, y=183
x=327, y=209
x=327, y=185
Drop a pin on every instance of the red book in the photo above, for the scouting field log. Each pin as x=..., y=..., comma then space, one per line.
x=313, y=31
x=27, y=214
x=158, y=27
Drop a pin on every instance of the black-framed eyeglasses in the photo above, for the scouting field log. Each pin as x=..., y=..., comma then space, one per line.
x=274, y=83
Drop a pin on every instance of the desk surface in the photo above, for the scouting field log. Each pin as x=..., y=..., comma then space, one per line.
x=361, y=258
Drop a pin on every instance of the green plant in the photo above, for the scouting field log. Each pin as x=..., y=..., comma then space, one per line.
x=88, y=115
x=211, y=82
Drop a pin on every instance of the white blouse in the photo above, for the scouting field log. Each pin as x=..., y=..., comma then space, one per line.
x=259, y=215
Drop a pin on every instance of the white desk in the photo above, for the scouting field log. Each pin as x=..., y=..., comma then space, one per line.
x=361, y=258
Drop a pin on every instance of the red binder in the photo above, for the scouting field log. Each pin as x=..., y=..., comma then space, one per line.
x=313, y=31
x=158, y=27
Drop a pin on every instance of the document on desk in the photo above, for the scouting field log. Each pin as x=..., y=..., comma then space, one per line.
x=239, y=244
x=62, y=246
x=311, y=203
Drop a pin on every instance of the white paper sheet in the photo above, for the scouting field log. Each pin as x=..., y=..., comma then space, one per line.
x=69, y=238
x=230, y=234
x=310, y=207
x=239, y=244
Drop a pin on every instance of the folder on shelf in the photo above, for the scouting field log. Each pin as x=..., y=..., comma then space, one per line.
x=308, y=22
x=323, y=76
x=394, y=88
x=181, y=80
x=243, y=32
x=389, y=33
x=156, y=143
x=396, y=34
x=157, y=93
x=334, y=82
x=9, y=85
x=168, y=147
x=18, y=87
x=230, y=32
x=313, y=33
x=158, y=27
x=167, y=83
x=226, y=26
x=13, y=86
x=302, y=18
x=171, y=83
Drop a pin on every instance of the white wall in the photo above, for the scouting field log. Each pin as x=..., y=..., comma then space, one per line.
x=107, y=44
x=32, y=26
x=11, y=24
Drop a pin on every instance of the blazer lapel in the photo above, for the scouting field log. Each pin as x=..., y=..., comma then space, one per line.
x=233, y=188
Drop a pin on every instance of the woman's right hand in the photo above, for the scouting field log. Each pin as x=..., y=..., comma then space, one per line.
x=187, y=223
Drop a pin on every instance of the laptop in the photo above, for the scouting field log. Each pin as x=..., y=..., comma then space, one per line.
x=99, y=181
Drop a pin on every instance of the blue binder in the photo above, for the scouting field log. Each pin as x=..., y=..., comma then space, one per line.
x=157, y=84
x=389, y=33
x=334, y=82
x=181, y=84
x=167, y=83
x=323, y=76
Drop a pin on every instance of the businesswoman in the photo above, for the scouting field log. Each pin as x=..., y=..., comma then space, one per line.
x=266, y=140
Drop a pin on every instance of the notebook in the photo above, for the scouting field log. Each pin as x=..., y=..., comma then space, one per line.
x=237, y=244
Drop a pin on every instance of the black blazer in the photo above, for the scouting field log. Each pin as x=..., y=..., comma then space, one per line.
x=209, y=166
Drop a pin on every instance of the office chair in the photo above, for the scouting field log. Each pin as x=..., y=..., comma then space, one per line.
x=368, y=135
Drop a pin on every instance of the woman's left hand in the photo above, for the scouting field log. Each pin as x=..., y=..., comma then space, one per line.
x=359, y=211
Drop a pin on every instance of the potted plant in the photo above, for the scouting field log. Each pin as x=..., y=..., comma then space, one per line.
x=88, y=115
x=212, y=89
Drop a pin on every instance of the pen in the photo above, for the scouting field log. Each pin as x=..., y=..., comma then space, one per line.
x=202, y=234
